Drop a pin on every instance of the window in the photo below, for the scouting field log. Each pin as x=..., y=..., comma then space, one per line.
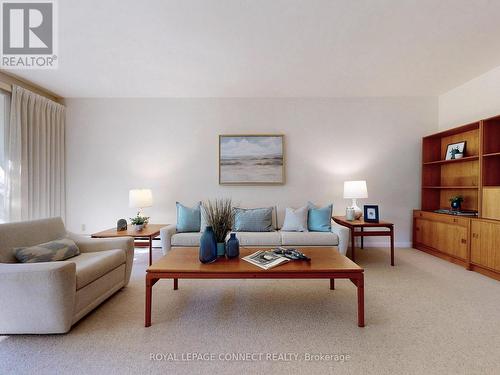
x=4, y=118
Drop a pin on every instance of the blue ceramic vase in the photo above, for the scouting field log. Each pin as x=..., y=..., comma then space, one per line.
x=208, y=246
x=221, y=249
x=233, y=247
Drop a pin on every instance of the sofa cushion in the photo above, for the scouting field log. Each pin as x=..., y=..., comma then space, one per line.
x=319, y=219
x=295, y=219
x=188, y=218
x=186, y=239
x=91, y=266
x=309, y=239
x=51, y=251
x=259, y=238
x=253, y=219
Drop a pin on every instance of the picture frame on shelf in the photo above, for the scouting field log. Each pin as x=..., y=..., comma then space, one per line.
x=455, y=150
x=371, y=213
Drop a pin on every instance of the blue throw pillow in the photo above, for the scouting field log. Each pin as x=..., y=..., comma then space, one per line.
x=188, y=219
x=253, y=220
x=319, y=219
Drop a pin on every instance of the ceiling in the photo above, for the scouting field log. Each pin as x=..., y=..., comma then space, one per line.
x=270, y=48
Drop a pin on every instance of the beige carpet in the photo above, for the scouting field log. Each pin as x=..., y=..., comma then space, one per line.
x=424, y=316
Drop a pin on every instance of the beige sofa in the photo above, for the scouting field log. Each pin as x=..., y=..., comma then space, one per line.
x=338, y=236
x=50, y=297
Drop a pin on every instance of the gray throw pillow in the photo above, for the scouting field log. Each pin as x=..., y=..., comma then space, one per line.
x=295, y=220
x=253, y=219
x=52, y=251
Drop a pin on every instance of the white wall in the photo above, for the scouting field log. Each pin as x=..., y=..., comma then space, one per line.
x=171, y=146
x=472, y=101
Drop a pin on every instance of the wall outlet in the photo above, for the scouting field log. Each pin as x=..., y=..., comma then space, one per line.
x=84, y=227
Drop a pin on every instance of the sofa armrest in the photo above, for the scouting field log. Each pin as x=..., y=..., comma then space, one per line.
x=92, y=245
x=37, y=298
x=343, y=233
x=166, y=234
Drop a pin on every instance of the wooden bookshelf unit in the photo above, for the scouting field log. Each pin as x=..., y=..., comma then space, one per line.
x=491, y=168
x=473, y=242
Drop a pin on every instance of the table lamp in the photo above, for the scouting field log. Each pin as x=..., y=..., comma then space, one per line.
x=140, y=198
x=354, y=190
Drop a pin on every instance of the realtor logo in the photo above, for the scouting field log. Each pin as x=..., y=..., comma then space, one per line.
x=28, y=35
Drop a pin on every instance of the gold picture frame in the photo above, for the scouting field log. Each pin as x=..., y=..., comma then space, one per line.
x=252, y=159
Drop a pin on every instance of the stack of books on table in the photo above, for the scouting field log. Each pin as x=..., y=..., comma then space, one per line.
x=267, y=259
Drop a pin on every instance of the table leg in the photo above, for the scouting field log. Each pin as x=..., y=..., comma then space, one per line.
x=353, y=245
x=149, y=295
x=361, y=301
x=392, y=246
x=332, y=284
x=176, y=284
x=362, y=239
x=150, y=250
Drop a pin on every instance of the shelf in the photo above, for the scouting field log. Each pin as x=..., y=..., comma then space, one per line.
x=454, y=131
x=471, y=214
x=450, y=187
x=491, y=168
x=491, y=136
x=492, y=154
x=467, y=158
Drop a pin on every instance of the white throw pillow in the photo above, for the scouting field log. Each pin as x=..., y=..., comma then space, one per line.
x=295, y=220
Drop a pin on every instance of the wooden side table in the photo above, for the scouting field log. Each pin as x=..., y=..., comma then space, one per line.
x=150, y=232
x=361, y=224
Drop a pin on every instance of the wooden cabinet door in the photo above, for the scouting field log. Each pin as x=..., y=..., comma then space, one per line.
x=485, y=246
x=447, y=238
x=452, y=240
x=458, y=245
x=423, y=232
x=475, y=244
x=418, y=233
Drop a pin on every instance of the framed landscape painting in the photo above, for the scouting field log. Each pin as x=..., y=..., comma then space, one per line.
x=251, y=159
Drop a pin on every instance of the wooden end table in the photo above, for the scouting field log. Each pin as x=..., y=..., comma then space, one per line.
x=150, y=232
x=326, y=263
x=361, y=224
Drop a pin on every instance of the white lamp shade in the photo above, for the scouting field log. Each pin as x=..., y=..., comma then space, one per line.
x=140, y=198
x=355, y=189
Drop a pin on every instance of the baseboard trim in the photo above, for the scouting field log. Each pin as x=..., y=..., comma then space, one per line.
x=485, y=271
x=383, y=244
x=439, y=254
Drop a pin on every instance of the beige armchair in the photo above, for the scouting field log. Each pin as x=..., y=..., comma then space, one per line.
x=50, y=297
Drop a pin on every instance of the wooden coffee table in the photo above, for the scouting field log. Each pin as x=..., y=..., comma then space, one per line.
x=326, y=263
x=150, y=232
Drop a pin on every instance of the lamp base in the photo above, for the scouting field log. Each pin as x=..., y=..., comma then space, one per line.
x=358, y=213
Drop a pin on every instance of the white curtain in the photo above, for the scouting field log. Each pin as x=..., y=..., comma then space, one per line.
x=35, y=157
x=4, y=120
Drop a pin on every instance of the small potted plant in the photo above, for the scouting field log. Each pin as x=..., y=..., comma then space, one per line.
x=456, y=153
x=139, y=222
x=220, y=216
x=456, y=202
